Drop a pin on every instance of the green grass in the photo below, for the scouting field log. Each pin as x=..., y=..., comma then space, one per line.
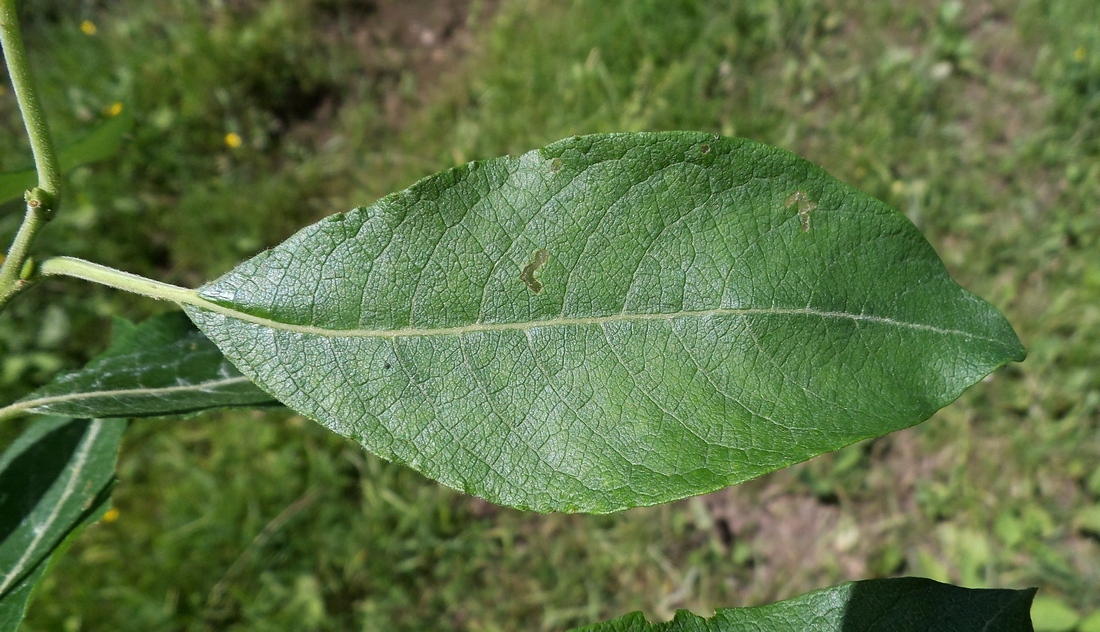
x=982, y=123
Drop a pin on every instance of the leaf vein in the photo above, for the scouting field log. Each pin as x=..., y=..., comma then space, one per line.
x=575, y=321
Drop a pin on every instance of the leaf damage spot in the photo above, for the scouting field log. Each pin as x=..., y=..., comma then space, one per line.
x=555, y=166
x=540, y=257
x=805, y=207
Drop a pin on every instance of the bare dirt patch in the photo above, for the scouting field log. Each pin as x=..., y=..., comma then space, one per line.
x=406, y=46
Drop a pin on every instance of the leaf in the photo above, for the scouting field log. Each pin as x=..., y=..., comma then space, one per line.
x=14, y=183
x=101, y=142
x=52, y=478
x=693, y=326
x=163, y=366
x=907, y=604
x=13, y=606
x=1053, y=615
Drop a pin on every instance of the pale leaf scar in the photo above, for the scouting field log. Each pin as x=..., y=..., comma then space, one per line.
x=805, y=207
x=528, y=275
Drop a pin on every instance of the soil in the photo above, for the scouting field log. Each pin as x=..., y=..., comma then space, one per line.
x=407, y=46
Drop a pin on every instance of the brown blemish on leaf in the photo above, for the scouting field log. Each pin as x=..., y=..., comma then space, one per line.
x=540, y=258
x=805, y=207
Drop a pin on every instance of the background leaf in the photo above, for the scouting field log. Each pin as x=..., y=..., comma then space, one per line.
x=163, y=366
x=101, y=142
x=14, y=604
x=709, y=310
x=907, y=604
x=52, y=478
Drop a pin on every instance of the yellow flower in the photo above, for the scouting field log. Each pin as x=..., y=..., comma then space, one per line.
x=233, y=140
x=1079, y=54
x=87, y=27
x=114, y=109
x=111, y=515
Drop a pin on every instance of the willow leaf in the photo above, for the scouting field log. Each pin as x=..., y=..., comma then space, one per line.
x=52, y=478
x=610, y=321
x=163, y=366
x=14, y=602
x=907, y=604
x=13, y=605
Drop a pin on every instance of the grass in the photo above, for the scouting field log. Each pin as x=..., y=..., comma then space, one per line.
x=980, y=122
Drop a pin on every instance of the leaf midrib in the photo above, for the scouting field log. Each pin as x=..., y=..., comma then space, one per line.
x=572, y=321
x=41, y=531
x=36, y=404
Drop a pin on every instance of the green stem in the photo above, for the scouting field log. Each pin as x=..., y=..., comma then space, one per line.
x=43, y=199
x=96, y=273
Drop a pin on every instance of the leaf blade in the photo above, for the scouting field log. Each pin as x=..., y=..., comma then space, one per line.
x=691, y=330
x=163, y=366
x=51, y=478
x=907, y=604
x=13, y=605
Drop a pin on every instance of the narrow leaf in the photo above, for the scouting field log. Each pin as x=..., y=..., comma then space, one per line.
x=102, y=141
x=610, y=321
x=907, y=604
x=14, y=183
x=13, y=605
x=163, y=366
x=99, y=143
x=52, y=478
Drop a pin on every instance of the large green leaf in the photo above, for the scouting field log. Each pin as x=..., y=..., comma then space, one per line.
x=609, y=321
x=163, y=366
x=907, y=604
x=52, y=478
x=100, y=142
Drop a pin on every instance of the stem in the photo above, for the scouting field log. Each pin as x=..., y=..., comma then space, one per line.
x=96, y=273
x=43, y=199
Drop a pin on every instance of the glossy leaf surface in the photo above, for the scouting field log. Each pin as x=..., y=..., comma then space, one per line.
x=163, y=366
x=907, y=604
x=610, y=321
x=52, y=478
